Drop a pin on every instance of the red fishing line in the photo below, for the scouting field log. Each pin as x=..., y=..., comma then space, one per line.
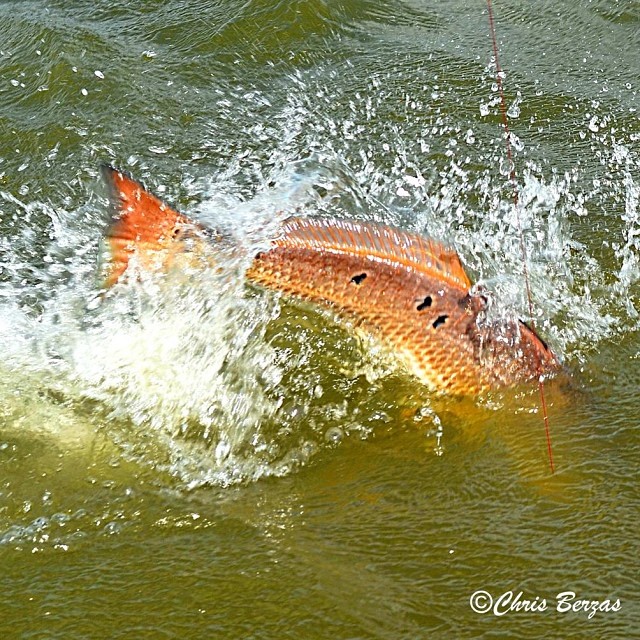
x=523, y=249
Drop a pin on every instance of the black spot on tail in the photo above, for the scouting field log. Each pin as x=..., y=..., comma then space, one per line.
x=425, y=304
x=438, y=321
x=358, y=278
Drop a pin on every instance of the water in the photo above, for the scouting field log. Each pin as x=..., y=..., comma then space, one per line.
x=194, y=457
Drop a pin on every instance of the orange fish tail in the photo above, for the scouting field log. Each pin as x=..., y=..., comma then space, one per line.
x=142, y=226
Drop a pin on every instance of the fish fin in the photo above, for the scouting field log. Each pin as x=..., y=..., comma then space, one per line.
x=387, y=244
x=546, y=358
x=142, y=226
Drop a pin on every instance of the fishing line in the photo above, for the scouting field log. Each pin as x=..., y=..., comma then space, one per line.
x=516, y=202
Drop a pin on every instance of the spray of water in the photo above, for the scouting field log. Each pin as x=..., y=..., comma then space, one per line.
x=215, y=382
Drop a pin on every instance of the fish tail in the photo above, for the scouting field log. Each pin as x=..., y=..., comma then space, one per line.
x=142, y=226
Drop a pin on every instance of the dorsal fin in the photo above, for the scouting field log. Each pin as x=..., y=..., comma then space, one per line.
x=142, y=224
x=383, y=243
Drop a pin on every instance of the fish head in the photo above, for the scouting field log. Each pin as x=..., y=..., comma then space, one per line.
x=509, y=349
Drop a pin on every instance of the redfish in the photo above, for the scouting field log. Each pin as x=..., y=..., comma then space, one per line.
x=409, y=292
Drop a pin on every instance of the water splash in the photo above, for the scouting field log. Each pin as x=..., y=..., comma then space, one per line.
x=185, y=371
x=217, y=384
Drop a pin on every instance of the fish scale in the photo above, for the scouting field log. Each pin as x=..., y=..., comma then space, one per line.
x=409, y=292
x=385, y=304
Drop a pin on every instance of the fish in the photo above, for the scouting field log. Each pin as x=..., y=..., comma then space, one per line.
x=409, y=292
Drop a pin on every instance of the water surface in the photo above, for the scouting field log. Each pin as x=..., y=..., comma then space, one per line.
x=194, y=458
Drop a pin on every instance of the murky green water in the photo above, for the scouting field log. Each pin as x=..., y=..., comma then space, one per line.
x=193, y=458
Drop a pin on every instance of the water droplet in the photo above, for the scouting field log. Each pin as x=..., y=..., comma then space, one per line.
x=518, y=145
x=223, y=449
x=112, y=528
x=334, y=435
x=514, y=110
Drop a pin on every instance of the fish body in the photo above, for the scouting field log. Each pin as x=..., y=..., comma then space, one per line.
x=409, y=292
